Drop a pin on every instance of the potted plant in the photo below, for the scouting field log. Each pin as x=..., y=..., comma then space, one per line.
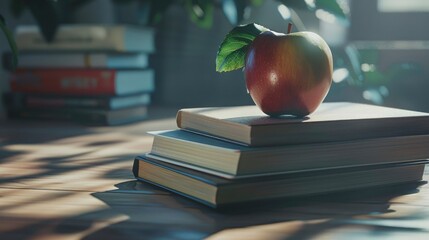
x=49, y=14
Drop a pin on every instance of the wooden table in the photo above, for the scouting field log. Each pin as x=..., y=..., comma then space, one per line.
x=66, y=181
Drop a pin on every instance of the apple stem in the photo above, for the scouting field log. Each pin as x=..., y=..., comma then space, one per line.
x=289, y=28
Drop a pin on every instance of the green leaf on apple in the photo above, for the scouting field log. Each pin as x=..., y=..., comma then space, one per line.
x=232, y=51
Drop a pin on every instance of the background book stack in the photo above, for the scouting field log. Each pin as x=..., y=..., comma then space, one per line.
x=237, y=154
x=94, y=74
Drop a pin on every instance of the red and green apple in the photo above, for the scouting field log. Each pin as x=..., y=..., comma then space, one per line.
x=285, y=73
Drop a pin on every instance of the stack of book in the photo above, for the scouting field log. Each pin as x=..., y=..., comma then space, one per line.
x=227, y=155
x=94, y=74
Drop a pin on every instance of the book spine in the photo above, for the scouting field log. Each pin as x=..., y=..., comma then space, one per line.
x=135, y=169
x=94, y=38
x=37, y=101
x=179, y=119
x=41, y=102
x=16, y=100
x=64, y=81
x=77, y=60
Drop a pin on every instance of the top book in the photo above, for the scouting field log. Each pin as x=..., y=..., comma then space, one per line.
x=331, y=122
x=77, y=37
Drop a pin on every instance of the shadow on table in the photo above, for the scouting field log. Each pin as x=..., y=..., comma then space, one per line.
x=154, y=213
x=139, y=210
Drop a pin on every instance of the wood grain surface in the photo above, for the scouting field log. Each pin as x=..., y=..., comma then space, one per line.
x=64, y=181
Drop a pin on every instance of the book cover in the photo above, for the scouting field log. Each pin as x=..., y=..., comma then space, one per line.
x=87, y=37
x=82, y=81
x=339, y=121
x=215, y=191
x=220, y=157
x=83, y=116
x=77, y=60
x=44, y=101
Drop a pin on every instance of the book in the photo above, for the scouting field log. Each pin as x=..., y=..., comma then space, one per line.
x=339, y=121
x=84, y=116
x=82, y=81
x=229, y=160
x=216, y=191
x=78, y=60
x=87, y=37
x=36, y=101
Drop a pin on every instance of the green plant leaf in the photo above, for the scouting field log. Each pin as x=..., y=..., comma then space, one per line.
x=232, y=51
x=200, y=12
x=332, y=7
x=375, y=78
x=10, y=40
x=353, y=60
x=256, y=2
x=76, y=4
x=47, y=15
x=17, y=7
x=155, y=10
x=301, y=4
x=234, y=10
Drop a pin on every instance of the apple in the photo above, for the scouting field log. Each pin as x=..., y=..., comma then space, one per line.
x=288, y=73
x=285, y=73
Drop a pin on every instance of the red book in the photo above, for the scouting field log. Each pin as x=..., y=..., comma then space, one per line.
x=82, y=81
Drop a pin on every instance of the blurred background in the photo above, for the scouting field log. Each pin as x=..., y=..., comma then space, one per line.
x=380, y=47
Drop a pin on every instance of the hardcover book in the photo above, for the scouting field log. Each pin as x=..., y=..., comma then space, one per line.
x=82, y=81
x=78, y=60
x=216, y=191
x=339, y=121
x=43, y=101
x=88, y=37
x=230, y=160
